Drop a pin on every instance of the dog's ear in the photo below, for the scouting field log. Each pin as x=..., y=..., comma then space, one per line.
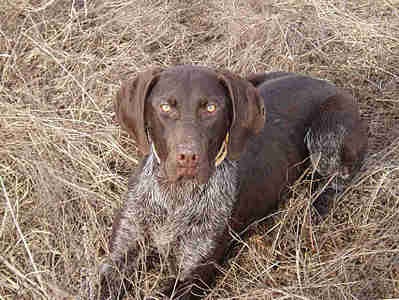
x=130, y=103
x=248, y=112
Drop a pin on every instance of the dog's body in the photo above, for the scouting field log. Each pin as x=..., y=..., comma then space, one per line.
x=186, y=207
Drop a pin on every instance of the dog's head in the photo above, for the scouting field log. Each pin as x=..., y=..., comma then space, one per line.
x=191, y=117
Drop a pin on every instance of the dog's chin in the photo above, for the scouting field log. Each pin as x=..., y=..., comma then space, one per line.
x=181, y=177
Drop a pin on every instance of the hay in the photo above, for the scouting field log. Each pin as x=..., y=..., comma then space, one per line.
x=64, y=162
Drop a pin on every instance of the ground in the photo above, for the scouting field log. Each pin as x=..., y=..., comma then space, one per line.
x=64, y=162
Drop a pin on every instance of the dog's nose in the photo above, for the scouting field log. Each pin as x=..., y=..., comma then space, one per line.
x=187, y=158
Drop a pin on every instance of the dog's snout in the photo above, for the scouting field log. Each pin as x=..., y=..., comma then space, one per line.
x=187, y=157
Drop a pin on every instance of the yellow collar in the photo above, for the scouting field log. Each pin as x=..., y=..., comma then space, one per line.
x=222, y=151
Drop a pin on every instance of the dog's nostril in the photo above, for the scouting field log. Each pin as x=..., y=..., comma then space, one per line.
x=187, y=159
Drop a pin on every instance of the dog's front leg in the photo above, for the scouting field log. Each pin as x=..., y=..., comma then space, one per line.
x=125, y=244
x=201, y=251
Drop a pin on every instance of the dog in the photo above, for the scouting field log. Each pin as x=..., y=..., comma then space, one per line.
x=219, y=152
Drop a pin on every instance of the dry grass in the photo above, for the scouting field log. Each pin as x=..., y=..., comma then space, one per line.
x=64, y=163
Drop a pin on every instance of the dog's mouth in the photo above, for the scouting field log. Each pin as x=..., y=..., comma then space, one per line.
x=187, y=173
x=171, y=171
x=195, y=175
x=181, y=175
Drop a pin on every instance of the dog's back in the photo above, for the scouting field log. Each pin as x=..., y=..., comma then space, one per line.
x=298, y=107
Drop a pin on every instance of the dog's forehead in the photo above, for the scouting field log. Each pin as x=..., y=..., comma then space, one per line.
x=193, y=82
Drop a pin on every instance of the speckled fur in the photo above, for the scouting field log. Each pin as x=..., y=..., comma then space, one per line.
x=182, y=221
x=325, y=150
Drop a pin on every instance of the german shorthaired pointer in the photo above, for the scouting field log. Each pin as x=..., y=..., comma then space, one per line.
x=212, y=164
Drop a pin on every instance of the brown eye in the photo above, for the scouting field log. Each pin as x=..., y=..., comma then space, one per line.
x=165, y=107
x=211, y=108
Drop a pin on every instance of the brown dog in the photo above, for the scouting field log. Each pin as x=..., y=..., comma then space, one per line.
x=213, y=165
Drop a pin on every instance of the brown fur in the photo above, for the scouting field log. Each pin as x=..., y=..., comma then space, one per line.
x=338, y=120
x=185, y=209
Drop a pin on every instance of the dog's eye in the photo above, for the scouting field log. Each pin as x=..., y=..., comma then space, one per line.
x=165, y=107
x=211, y=108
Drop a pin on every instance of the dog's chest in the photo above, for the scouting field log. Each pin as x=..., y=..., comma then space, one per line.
x=174, y=214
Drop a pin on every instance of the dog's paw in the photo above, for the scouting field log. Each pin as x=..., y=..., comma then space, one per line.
x=324, y=202
x=103, y=284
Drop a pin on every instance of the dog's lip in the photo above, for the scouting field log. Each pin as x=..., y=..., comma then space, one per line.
x=188, y=168
x=172, y=176
x=195, y=179
x=187, y=171
x=185, y=174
